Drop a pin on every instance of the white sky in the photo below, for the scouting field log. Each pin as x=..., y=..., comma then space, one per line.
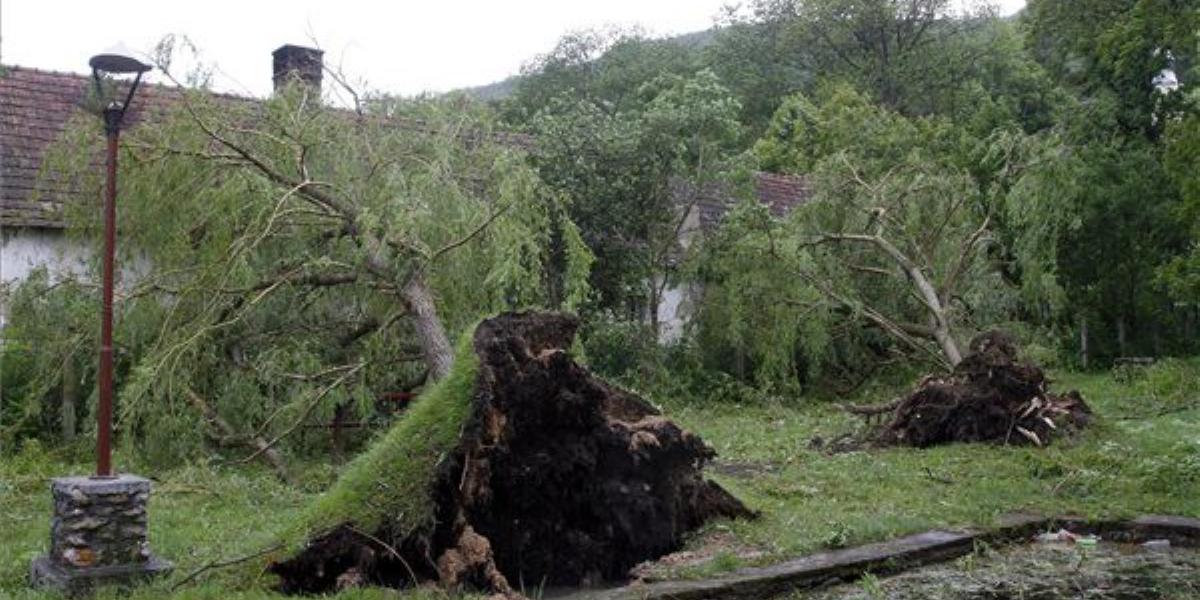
x=401, y=46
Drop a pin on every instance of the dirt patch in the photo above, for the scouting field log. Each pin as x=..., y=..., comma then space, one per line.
x=557, y=479
x=991, y=396
x=719, y=545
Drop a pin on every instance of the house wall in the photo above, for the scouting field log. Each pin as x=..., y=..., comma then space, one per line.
x=674, y=312
x=23, y=249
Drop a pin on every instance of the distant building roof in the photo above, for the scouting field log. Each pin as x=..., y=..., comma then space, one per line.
x=36, y=107
x=780, y=193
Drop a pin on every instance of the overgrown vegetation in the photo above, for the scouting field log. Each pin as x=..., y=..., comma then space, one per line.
x=296, y=270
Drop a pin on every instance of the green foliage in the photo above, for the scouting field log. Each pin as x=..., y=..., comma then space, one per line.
x=894, y=199
x=1116, y=49
x=621, y=166
x=393, y=480
x=605, y=67
x=269, y=246
x=1166, y=387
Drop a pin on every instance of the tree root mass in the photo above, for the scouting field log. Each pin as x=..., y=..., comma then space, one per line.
x=557, y=479
x=990, y=397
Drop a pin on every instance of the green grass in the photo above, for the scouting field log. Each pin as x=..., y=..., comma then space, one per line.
x=1132, y=461
x=1120, y=467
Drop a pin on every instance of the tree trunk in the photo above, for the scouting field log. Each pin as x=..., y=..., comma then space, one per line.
x=1121, y=335
x=70, y=395
x=431, y=336
x=945, y=340
x=1083, y=342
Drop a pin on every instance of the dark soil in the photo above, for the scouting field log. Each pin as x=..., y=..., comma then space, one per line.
x=991, y=396
x=558, y=479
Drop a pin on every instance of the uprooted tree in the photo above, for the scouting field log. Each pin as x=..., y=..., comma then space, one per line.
x=916, y=234
x=288, y=261
x=991, y=396
x=519, y=469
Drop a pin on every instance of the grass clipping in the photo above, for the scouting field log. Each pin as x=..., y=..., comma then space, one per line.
x=519, y=467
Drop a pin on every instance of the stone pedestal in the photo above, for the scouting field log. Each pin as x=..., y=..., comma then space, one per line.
x=97, y=535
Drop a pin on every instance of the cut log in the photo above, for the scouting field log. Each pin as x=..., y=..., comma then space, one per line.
x=527, y=471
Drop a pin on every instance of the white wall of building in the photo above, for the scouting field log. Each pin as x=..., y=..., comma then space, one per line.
x=24, y=249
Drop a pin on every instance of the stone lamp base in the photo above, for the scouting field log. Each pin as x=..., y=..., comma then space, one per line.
x=97, y=536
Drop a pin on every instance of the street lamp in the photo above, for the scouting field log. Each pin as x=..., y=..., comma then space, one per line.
x=99, y=533
x=116, y=61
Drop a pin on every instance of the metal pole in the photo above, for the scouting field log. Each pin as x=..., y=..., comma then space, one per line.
x=112, y=126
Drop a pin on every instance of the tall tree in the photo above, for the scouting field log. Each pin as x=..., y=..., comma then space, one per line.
x=622, y=170
x=299, y=259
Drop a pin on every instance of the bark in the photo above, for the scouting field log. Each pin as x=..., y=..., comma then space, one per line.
x=939, y=320
x=1083, y=342
x=431, y=336
x=70, y=395
x=1121, y=336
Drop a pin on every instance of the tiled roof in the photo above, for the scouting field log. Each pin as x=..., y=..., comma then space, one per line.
x=780, y=193
x=35, y=108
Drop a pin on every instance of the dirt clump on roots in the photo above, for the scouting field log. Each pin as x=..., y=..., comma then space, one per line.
x=991, y=396
x=556, y=478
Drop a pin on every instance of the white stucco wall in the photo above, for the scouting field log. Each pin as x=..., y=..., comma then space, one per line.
x=23, y=249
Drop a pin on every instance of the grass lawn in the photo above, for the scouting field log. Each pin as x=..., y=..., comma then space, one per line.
x=1133, y=461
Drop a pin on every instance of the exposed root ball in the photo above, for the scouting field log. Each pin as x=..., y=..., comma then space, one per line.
x=990, y=396
x=557, y=478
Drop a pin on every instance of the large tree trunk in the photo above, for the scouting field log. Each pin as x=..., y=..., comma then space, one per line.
x=431, y=336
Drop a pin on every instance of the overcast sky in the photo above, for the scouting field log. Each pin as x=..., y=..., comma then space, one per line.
x=401, y=46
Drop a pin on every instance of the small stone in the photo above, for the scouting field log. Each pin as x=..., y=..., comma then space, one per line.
x=76, y=540
x=80, y=557
x=87, y=524
x=134, y=512
x=79, y=497
x=1157, y=545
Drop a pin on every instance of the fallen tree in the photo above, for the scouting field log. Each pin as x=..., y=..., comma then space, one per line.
x=519, y=468
x=991, y=396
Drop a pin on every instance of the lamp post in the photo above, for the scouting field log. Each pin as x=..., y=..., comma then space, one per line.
x=99, y=533
x=114, y=61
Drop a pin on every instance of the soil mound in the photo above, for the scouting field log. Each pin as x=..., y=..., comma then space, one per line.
x=556, y=478
x=991, y=396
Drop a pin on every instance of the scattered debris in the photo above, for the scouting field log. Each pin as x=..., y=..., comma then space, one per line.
x=991, y=396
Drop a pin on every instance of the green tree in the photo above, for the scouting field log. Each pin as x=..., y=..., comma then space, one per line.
x=901, y=234
x=299, y=260
x=623, y=170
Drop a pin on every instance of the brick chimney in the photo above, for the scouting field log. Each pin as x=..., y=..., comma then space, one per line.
x=299, y=62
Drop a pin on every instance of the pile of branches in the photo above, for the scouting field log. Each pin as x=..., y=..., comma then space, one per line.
x=990, y=396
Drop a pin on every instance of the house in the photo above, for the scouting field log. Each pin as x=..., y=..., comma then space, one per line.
x=36, y=107
x=705, y=207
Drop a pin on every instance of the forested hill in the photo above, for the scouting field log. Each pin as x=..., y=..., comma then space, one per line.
x=503, y=89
